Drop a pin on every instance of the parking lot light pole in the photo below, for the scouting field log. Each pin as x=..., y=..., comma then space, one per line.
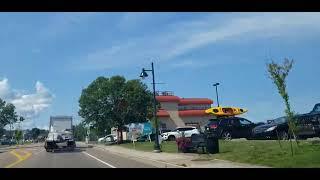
x=216, y=85
x=143, y=75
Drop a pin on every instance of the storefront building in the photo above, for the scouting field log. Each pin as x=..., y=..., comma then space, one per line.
x=180, y=112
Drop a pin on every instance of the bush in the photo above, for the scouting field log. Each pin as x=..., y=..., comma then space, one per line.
x=183, y=144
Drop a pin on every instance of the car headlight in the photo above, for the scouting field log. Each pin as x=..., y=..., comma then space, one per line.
x=271, y=128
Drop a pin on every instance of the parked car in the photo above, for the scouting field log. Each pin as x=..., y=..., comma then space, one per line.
x=228, y=128
x=164, y=131
x=260, y=123
x=108, y=138
x=145, y=138
x=308, y=125
x=173, y=135
x=8, y=142
x=271, y=130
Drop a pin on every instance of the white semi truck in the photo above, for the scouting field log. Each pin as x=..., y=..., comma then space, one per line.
x=60, y=134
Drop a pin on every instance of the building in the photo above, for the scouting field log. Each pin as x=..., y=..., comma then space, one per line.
x=180, y=112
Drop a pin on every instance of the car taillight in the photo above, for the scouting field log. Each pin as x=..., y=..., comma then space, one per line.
x=213, y=126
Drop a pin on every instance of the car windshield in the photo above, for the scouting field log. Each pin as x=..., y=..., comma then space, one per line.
x=317, y=108
x=280, y=120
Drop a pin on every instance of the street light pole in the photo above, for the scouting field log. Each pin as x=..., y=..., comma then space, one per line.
x=216, y=85
x=157, y=146
x=143, y=75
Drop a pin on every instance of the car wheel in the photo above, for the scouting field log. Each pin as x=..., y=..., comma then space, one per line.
x=226, y=135
x=171, y=138
x=283, y=135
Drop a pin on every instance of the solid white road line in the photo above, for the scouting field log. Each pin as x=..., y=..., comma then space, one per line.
x=143, y=158
x=99, y=160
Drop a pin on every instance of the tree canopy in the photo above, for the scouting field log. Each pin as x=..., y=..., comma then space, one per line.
x=8, y=115
x=80, y=131
x=114, y=102
x=35, y=132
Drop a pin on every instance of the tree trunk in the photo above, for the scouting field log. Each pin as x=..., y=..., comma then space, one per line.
x=121, y=138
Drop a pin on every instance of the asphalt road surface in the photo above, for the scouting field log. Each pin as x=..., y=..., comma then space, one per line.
x=35, y=156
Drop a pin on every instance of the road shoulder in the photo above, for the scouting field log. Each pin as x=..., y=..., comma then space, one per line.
x=172, y=160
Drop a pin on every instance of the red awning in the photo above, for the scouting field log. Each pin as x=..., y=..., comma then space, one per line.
x=186, y=101
x=193, y=113
x=162, y=113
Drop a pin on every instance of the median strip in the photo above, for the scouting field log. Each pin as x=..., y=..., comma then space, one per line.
x=20, y=158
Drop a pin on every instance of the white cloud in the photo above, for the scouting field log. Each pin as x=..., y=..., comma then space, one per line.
x=253, y=26
x=4, y=88
x=27, y=105
x=184, y=37
x=60, y=24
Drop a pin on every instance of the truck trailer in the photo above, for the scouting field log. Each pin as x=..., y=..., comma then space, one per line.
x=60, y=135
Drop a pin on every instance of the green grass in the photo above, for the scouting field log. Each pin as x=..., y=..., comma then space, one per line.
x=266, y=153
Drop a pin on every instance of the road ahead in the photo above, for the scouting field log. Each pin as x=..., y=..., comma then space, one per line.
x=35, y=156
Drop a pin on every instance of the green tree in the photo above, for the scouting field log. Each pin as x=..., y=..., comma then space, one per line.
x=2, y=131
x=80, y=131
x=8, y=115
x=18, y=135
x=114, y=102
x=278, y=74
x=44, y=133
x=35, y=132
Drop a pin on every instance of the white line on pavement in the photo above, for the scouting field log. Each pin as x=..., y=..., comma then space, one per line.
x=99, y=160
x=143, y=158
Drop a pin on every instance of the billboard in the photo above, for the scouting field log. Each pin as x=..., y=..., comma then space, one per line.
x=139, y=129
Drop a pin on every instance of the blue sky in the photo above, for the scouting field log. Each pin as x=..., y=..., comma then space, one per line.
x=47, y=58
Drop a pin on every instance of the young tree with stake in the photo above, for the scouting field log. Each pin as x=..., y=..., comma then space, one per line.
x=278, y=74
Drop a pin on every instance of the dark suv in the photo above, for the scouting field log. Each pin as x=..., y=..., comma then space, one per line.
x=231, y=127
x=308, y=125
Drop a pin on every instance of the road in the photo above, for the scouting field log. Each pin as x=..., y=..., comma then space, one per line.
x=35, y=156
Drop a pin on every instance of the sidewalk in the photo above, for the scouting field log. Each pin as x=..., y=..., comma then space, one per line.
x=173, y=160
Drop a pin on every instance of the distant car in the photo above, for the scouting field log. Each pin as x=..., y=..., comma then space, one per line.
x=173, y=135
x=164, y=131
x=228, y=128
x=4, y=142
x=7, y=142
x=144, y=138
x=308, y=125
x=108, y=138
